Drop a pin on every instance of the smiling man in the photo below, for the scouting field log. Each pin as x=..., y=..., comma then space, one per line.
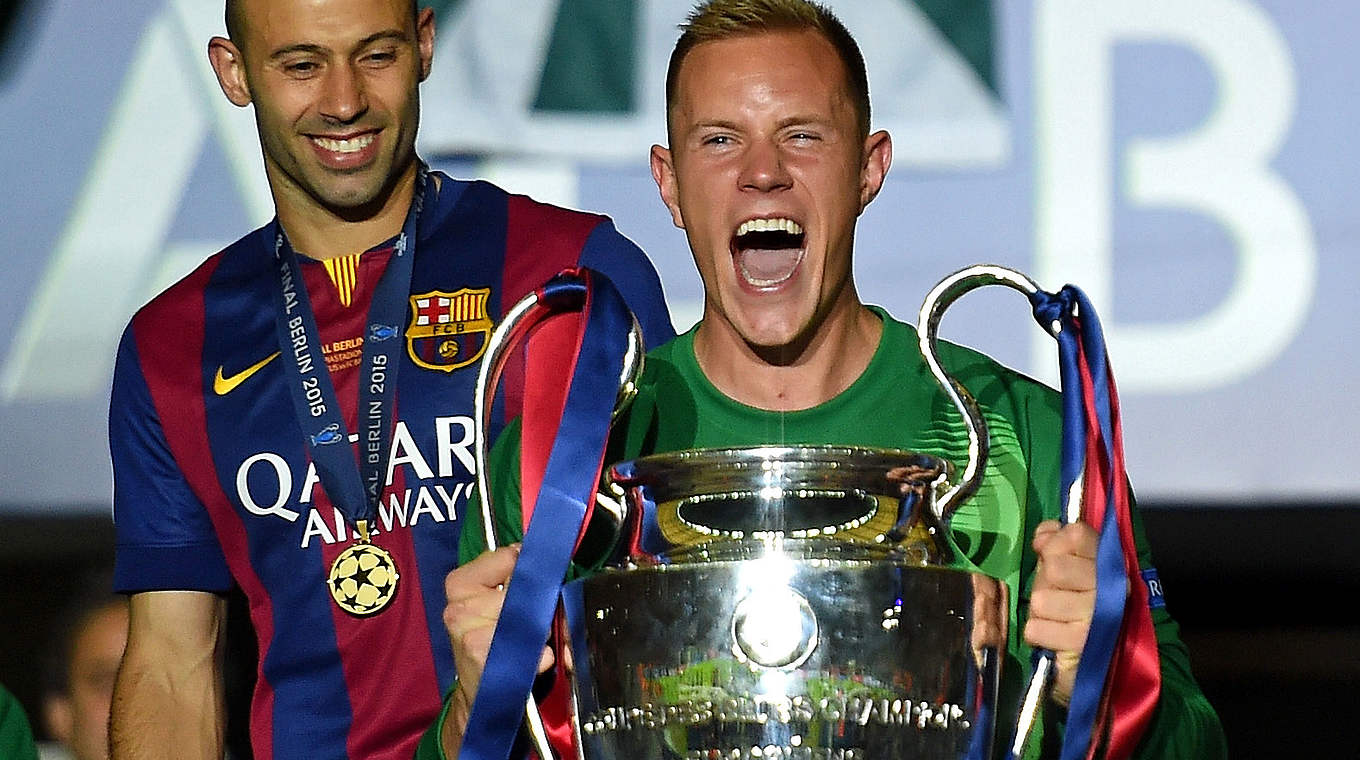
x=294, y=417
x=771, y=161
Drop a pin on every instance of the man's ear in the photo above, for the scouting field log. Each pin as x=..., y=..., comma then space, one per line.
x=425, y=41
x=230, y=68
x=663, y=171
x=877, y=159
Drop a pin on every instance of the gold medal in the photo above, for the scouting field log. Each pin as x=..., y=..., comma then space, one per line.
x=363, y=578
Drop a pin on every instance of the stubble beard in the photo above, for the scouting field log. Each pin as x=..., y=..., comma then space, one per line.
x=333, y=190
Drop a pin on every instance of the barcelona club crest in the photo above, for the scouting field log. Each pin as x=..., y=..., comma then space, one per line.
x=448, y=330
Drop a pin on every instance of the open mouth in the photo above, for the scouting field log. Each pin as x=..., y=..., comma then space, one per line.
x=768, y=251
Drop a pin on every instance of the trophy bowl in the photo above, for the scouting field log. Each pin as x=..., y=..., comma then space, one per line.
x=784, y=602
x=859, y=494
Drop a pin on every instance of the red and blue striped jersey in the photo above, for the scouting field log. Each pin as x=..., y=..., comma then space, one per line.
x=214, y=487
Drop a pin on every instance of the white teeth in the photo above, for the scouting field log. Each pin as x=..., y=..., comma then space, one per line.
x=350, y=145
x=770, y=225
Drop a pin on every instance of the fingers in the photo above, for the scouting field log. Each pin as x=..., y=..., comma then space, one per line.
x=1056, y=635
x=475, y=595
x=1065, y=579
x=1078, y=538
x=1065, y=572
x=1062, y=600
x=489, y=570
x=475, y=592
x=1044, y=532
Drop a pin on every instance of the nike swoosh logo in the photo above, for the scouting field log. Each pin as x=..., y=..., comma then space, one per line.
x=224, y=385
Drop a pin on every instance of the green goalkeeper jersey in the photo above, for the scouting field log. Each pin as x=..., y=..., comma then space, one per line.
x=896, y=403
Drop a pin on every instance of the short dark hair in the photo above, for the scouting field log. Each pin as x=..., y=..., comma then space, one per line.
x=723, y=19
x=235, y=22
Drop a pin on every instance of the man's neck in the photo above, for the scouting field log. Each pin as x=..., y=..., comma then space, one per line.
x=320, y=233
x=835, y=356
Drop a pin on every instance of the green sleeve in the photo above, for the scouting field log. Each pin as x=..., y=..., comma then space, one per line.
x=16, y=737
x=430, y=747
x=503, y=479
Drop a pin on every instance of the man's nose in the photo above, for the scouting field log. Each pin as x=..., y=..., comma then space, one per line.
x=343, y=98
x=763, y=168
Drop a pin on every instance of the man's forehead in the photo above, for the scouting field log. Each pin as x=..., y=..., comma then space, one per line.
x=781, y=64
x=289, y=22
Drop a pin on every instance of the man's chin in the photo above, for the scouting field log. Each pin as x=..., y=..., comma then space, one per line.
x=353, y=196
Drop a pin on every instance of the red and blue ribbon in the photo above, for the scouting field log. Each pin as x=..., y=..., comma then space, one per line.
x=1118, y=679
x=560, y=506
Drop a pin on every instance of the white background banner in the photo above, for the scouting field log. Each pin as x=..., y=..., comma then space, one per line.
x=1191, y=164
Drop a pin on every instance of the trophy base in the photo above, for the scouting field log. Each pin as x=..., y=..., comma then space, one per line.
x=796, y=648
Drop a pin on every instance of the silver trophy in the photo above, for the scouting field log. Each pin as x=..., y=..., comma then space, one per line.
x=788, y=601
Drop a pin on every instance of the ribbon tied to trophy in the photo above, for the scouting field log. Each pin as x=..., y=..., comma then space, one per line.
x=1118, y=679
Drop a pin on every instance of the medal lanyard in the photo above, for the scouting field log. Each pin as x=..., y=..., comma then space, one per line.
x=354, y=486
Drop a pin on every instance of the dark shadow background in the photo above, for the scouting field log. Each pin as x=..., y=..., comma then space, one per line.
x=1264, y=595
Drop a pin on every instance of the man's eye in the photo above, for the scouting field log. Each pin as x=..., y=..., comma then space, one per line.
x=717, y=140
x=380, y=59
x=301, y=68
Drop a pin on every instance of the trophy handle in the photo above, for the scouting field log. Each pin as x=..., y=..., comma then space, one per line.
x=945, y=293
x=563, y=293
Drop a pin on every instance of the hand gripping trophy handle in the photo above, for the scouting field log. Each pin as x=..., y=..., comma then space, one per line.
x=940, y=297
x=564, y=293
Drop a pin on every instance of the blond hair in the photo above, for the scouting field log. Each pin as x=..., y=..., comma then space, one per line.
x=723, y=19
